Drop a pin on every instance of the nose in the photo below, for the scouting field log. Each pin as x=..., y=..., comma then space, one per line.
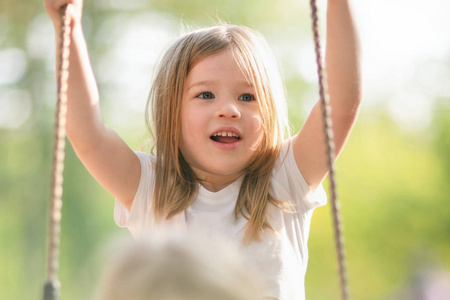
x=227, y=109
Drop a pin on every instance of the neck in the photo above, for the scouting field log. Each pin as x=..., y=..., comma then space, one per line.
x=215, y=183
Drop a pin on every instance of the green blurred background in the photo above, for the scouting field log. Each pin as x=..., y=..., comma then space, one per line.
x=393, y=177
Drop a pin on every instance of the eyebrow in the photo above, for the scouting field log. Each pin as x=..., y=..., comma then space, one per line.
x=211, y=82
x=200, y=83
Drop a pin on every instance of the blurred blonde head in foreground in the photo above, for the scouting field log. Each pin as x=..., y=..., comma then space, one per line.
x=175, y=267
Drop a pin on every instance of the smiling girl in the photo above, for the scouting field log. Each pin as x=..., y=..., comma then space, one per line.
x=223, y=163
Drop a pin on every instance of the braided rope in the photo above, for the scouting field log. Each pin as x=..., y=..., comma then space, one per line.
x=52, y=287
x=328, y=132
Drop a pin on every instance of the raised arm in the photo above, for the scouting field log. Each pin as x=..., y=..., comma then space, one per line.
x=342, y=63
x=106, y=156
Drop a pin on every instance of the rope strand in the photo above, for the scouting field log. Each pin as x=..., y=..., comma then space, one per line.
x=330, y=148
x=52, y=286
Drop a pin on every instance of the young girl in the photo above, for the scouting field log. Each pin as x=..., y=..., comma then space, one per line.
x=222, y=163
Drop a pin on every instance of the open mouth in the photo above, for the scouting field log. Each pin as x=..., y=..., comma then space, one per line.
x=225, y=137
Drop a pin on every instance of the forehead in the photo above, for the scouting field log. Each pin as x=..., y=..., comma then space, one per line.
x=219, y=67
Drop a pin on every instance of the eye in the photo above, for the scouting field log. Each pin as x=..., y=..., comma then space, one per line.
x=206, y=95
x=247, y=97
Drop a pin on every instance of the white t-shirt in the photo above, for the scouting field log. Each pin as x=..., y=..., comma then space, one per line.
x=280, y=259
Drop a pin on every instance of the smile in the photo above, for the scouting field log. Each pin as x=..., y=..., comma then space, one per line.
x=225, y=137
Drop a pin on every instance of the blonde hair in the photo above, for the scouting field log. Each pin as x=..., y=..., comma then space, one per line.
x=175, y=266
x=175, y=182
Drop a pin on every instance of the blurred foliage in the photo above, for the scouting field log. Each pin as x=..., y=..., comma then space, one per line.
x=393, y=184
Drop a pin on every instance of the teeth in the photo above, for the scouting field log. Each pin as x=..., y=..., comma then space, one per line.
x=223, y=133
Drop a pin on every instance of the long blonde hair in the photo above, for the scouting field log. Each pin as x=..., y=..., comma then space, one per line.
x=176, y=185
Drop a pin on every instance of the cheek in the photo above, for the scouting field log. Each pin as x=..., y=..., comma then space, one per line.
x=192, y=126
x=190, y=123
x=256, y=123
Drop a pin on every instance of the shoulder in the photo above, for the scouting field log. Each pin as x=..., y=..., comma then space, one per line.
x=147, y=177
x=285, y=169
x=148, y=162
x=285, y=159
x=145, y=158
x=139, y=215
x=288, y=183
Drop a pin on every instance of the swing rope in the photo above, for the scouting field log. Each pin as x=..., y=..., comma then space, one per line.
x=330, y=147
x=52, y=286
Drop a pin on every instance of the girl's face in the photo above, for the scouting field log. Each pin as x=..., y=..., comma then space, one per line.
x=221, y=125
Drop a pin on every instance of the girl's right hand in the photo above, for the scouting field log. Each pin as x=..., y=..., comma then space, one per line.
x=74, y=9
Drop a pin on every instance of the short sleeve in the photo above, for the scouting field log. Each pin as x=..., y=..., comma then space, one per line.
x=139, y=217
x=288, y=183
